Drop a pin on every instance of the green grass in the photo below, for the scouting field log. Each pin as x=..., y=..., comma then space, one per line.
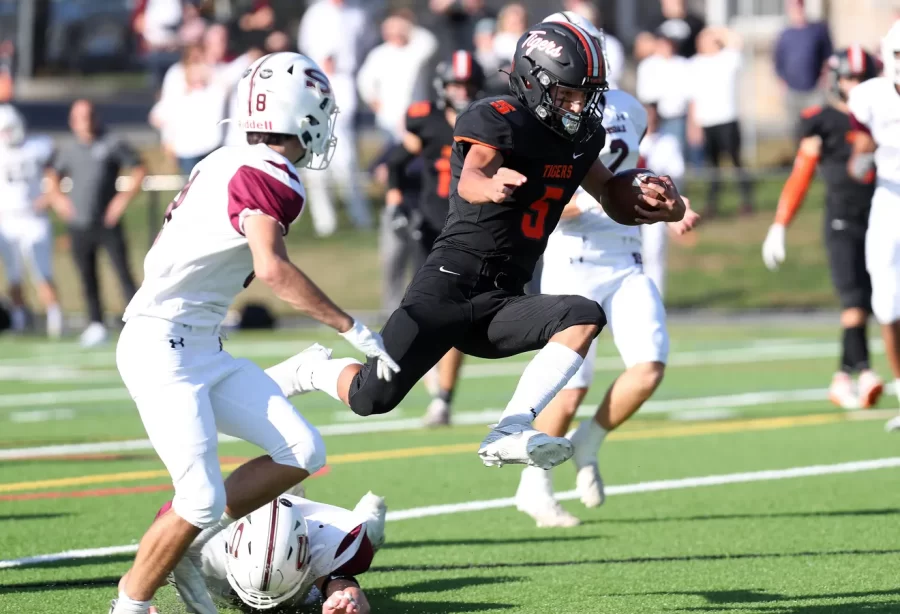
x=796, y=546
x=720, y=266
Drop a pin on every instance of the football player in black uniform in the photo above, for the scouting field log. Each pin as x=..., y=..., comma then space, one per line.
x=825, y=143
x=429, y=133
x=516, y=162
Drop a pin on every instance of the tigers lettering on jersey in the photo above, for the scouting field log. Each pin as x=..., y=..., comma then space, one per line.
x=558, y=171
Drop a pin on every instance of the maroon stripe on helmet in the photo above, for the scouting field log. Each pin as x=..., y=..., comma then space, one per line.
x=270, y=546
x=584, y=42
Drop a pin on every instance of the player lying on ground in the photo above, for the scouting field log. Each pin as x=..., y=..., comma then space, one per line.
x=429, y=134
x=847, y=203
x=591, y=255
x=226, y=227
x=294, y=552
x=516, y=161
x=26, y=235
x=875, y=116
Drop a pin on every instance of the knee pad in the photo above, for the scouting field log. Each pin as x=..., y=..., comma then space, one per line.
x=580, y=310
x=304, y=449
x=199, y=496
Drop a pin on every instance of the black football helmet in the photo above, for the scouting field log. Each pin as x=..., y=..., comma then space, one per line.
x=564, y=54
x=850, y=63
x=461, y=68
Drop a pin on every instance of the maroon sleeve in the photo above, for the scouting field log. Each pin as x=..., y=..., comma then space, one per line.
x=361, y=560
x=858, y=126
x=256, y=190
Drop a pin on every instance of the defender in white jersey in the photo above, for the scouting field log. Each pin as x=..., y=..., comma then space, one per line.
x=293, y=552
x=225, y=228
x=26, y=235
x=875, y=118
x=591, y=255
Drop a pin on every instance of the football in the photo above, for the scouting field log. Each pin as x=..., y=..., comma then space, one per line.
x=624, y=191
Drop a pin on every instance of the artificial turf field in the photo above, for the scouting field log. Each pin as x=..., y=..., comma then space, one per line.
x=800, y=515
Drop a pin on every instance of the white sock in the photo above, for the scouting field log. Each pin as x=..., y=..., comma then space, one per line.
x=587, y=439
x=536, y=480
x=897, y=388
x=208, y=533
x=17, y=319
x=127, y=605
x=325, y=374
x=54, y=320
x=544, y=376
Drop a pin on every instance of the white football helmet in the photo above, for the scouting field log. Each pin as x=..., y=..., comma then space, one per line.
x=12, y=126
x=268, y=556
x=287, y=93
x=575, y=19
x=890, y=47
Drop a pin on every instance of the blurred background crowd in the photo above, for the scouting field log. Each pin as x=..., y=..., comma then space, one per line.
x=151, y=80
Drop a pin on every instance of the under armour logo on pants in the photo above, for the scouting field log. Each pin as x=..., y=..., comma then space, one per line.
x=178, y=341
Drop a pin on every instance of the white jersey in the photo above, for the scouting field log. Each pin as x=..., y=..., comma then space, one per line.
x=201, y=259
x=329, y=527
x=876, y=105
x=21, y=171
x=625, y=122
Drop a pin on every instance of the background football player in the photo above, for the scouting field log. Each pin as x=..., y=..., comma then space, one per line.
x=294, y=551
x=824, y=143
x=591, y=255
x=429, y=134
x=26, y=235
x=875, y=116
x=516, y=161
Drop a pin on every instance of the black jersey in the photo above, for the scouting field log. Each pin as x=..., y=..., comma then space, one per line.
x=518, y=228
x=846, y=198
x=429, y=123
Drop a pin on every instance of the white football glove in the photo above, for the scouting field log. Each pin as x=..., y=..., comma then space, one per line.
x=371, y=344
x=773, y=247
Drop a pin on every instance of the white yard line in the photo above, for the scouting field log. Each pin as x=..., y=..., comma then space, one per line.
x=489, y=504
x=790, y=351
x=361, y=426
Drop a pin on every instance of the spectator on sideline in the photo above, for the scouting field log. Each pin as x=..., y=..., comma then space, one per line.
x=800, y=53
x=663, y=85
x=453, y=22
x=156, y=23
x=391, y=77
x=7, y=70
x=339, y=58
x=713, y=122
x=512, y=21
x=93, y=162
x=188, y=117
x=496, y=83
x=688, y=25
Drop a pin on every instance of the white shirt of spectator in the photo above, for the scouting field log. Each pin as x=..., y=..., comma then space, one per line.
x=335, y=31
x=21, y=171
x=392, y=77
x=201, y=260
x=664, y=82
x=161, y=21
x=625, y=122
x=714, y=87
x=874, y=104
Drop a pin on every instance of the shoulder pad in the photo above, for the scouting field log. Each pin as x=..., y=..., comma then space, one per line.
x=419, y=109
x=811, y=111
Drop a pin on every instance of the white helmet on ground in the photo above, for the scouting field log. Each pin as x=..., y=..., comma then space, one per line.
x=12, y=126
x=890, y=49
x=575, y=19
x=268, y=557
x=287, y=93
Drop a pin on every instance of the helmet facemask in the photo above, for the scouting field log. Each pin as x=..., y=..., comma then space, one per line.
x=317, y=160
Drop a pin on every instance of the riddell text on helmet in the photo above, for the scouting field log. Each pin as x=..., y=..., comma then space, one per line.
x=536, y=41
x=254, y=124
